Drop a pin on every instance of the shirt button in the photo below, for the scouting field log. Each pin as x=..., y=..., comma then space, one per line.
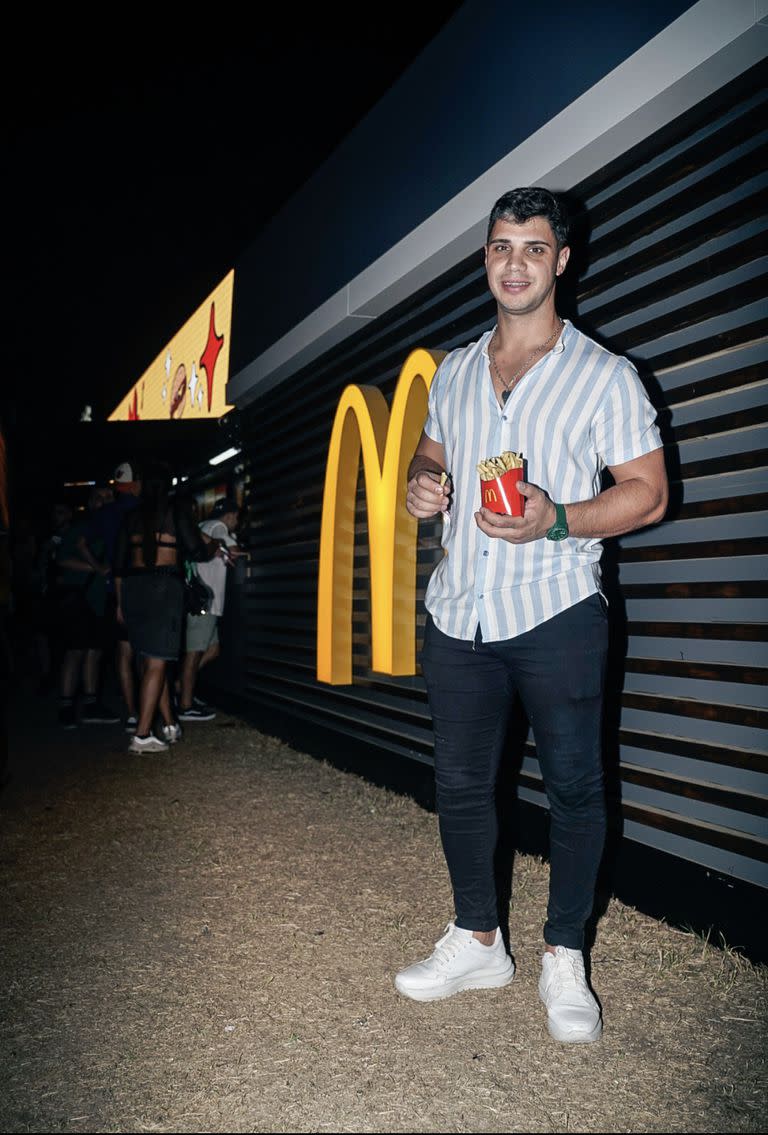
x=485, y=553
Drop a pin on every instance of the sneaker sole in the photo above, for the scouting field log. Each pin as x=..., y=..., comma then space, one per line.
x=493, y=981
x=573, y=1036
x=568, y=1036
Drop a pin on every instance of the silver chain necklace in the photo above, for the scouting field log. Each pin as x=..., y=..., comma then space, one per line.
x=510, y=384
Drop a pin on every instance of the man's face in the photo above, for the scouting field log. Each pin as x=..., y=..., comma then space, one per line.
x=230, y=519
x=522, y=263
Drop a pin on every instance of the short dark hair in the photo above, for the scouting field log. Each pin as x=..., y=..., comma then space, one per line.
x=520, y=205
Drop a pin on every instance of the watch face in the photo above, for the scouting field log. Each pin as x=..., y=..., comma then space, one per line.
x=557, y=533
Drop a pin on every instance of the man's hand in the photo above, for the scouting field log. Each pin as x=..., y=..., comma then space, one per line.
x=426, y=496
x=232, y=552
x=537, y=521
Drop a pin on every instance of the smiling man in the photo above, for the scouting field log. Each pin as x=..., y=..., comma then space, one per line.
x=515, y=607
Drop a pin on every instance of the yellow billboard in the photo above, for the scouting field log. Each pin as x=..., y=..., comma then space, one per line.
x=189, y=377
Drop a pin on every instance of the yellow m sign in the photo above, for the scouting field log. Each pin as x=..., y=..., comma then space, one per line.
x=387, y=441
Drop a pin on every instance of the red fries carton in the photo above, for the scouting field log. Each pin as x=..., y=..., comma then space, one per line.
x=498, y=483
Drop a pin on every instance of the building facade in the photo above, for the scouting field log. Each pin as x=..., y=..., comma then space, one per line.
x=653, y=124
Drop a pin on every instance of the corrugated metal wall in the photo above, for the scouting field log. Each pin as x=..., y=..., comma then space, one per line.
x=676, y=281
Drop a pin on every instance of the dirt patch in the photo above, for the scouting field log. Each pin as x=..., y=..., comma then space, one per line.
x=205, y=940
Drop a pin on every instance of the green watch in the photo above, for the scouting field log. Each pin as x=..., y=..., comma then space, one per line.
x=559, y=529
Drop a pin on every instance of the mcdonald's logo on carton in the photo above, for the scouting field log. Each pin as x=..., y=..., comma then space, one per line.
x=387, y=441
x=489, y=496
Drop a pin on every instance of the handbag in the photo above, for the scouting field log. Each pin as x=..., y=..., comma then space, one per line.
x=198, y=597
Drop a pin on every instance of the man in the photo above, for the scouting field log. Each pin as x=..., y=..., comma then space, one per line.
x=515, y=606
x=202, y=640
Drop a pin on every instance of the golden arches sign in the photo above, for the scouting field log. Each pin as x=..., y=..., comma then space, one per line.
x=387, y=441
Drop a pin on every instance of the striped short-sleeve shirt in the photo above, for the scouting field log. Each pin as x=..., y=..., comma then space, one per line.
x=581, y=408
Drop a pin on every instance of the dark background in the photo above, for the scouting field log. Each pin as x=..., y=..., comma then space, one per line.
x=138, y=166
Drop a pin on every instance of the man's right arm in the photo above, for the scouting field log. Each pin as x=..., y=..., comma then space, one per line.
x=426, y=496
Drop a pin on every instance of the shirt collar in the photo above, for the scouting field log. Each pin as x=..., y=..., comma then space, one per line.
x=558, y=348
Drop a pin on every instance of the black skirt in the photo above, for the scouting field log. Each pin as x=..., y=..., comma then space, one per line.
x=153, y=608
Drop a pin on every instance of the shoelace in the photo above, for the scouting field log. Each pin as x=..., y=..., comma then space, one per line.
x=447, y=947
x=568, y=973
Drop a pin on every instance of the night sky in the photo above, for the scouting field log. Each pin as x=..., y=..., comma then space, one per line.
x=138, y=166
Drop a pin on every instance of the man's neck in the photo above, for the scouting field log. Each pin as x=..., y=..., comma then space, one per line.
x=526, y=332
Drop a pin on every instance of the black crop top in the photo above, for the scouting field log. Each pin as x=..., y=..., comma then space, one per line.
x=178, y=530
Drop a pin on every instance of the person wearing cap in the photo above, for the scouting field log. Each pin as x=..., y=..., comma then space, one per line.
x=202, y=631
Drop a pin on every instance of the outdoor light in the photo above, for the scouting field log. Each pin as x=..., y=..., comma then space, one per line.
x=217, y=460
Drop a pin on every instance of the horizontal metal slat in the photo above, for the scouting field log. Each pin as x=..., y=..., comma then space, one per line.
x=698, y=791
x=707, y=589
x=739, y=675
x=663, y=743
x=746, y=716
x=733, y=548
x=691, y=570
x=700, y=832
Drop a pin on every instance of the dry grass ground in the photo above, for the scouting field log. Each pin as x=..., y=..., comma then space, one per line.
x=205, y=941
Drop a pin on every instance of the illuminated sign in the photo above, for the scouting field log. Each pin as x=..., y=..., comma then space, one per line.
x=363, y=422
x=188, y=378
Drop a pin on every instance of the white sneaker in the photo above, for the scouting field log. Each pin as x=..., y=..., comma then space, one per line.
x=172, y=733
x=149, y=744
x=458, y=961
x=573, y=1015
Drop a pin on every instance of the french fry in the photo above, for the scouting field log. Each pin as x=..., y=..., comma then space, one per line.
x=492, y=467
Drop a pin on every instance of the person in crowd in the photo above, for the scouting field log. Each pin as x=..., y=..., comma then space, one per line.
x=79, y=598
x=515, y=605
x=35, y=573
x=29, y=629
x=105, y=526
x=155, y=539
x=202, y=633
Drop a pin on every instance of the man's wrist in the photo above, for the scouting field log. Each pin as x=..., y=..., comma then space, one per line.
x=558, y=530
x=424, y=465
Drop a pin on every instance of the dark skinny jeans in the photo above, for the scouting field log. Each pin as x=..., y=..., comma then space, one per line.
x=557, y=669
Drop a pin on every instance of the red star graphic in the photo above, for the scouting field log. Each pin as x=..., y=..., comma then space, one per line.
x=211, y=353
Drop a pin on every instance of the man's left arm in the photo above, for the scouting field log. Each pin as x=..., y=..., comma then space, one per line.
x=637, y=498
